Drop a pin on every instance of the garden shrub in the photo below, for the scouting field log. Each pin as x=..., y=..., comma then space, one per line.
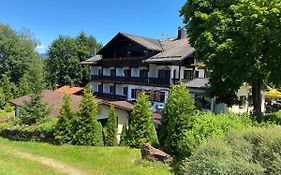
x=8, y=107
x=111, y=132
x=247, y=151
x=205, y=125
x=124, y=136
x=38, y=132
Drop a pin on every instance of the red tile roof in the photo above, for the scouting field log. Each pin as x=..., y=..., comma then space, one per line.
x=55, y=99
x=70, y=89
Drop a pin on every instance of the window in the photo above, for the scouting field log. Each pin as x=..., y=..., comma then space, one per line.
x=242, y=100
x=112, y=72
x=196, y=74
x=100, y=88
x=162, y=97
x=143, y=73
x=163, y=74
x=133, y=93
x=127, y=72
x=208, y=74
x=125, y=91
x=188, y=74
x=99, y=71
x=112, y=89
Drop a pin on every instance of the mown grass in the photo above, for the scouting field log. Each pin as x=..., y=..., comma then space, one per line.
x=92, y=160
x=10, y=164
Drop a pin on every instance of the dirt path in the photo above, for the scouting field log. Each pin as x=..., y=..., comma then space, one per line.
x=60, y=166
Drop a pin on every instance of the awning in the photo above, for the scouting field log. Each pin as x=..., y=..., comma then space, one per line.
x=273, y=93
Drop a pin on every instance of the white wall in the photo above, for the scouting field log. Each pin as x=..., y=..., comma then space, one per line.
x=94, y=87
x=135, y=72
x=119, y=89
x=122, y=117
x=120, y=72
x=153, y=72
x=106, y=87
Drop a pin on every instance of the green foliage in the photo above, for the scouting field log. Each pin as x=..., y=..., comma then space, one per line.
x=207, y=125
x=6, y=88
x=239, y=41
x=124, y=136
x=35, y=110
x=98, y=135
x=13, y=129
x=17, y=52
x=141, y=128
x=63, y=133
x=85, y=126
x=111, y=134
x=8, y=107
x=176, y=117
x=24, y=88
x=68, y=53
x=249, y=151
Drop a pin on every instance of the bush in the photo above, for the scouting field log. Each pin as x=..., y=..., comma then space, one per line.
x=8, y=107
x=124, y=136
x=37, y=132
x=248, y=151
x=205, y=125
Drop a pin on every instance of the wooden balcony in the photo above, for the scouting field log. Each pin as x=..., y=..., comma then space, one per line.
x=110, y=96
x=132, y=80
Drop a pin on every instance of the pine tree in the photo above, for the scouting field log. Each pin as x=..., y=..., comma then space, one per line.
x=85, y=124
x=124, y=136
x=24, y=88
x=6, y=88
x=176, y=115
x=63, y=132
x=35, y=110
x=111, y=136
x=141, y=127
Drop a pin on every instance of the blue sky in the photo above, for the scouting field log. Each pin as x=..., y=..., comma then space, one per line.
x=100, y=18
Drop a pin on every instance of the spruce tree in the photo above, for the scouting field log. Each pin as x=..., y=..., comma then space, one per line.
x=35, y=110
x=124, y=136
x=6, y=88
x=63, y=131
x=141, y=127
x=176, y=114
x=111, y=136
x=85, y=124
x=24, y=88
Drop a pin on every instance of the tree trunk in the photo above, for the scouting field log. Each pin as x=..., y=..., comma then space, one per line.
x=257, y=98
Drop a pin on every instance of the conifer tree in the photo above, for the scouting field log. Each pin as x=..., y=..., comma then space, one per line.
x=124, y=136
x=35, y=110
x=111, y=135
x=6, y=88
x=176, y=114
x=85, y=124
x=98, y=135
x=141, y=127
x=24, y=88
x=63, y=132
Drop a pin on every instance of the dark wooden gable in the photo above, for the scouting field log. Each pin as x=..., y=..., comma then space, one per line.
x=123, y=47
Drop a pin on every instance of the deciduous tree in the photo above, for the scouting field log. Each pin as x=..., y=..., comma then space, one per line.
x=240, y=41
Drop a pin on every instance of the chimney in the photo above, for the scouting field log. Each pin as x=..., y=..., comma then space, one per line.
x=181, y=33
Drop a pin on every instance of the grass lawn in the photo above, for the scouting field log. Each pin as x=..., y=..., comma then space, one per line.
x=91, y=160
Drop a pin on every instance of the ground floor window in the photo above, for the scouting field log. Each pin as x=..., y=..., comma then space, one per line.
x=103, y=122
x=202, y=102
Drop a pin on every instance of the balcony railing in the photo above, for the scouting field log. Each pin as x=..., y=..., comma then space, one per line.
x=110, y=96
x=132, y=80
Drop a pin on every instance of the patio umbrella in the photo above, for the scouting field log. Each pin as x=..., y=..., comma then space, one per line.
x=273, y=93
